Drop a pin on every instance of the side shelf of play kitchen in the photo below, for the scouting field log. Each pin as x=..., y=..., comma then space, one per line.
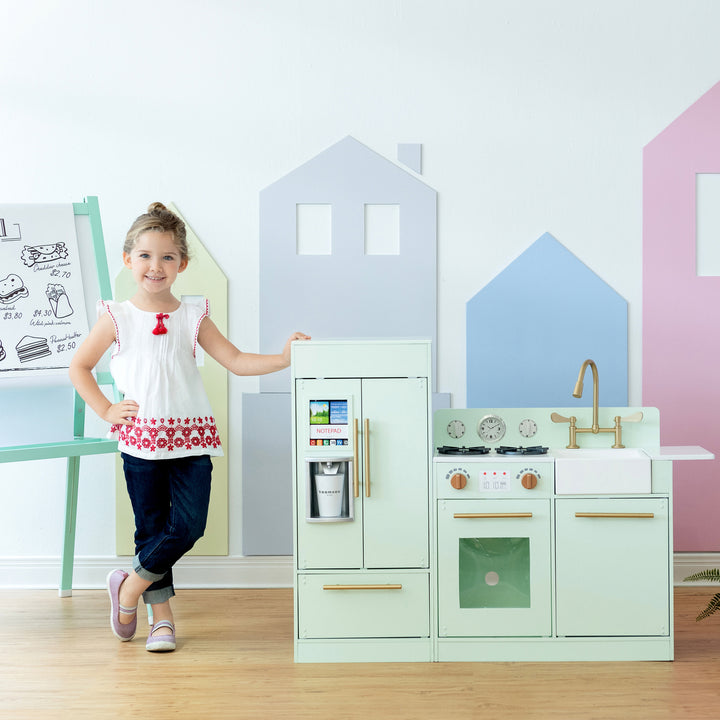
x=361, y=431
x=557, y=551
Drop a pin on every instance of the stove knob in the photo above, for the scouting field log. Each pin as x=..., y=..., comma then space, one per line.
x=458, y=481
x=529, y=481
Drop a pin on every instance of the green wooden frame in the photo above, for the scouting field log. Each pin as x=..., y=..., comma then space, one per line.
x=80, y=445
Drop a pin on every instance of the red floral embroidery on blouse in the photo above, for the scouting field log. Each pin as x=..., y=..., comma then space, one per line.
x=153, y=435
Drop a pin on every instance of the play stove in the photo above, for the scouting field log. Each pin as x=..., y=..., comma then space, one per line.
x=493, y=488
x=508, y=464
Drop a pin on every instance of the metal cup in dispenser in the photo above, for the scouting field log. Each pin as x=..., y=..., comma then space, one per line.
x=328, y=491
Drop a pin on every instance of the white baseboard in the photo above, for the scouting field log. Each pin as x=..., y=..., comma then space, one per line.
x=191, y=572
x=221, y=572
x=686, y=563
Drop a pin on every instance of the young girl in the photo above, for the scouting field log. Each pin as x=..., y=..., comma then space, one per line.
x=165, y=428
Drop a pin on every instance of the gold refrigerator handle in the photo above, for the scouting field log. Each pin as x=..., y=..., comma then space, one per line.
x=366, y=439
x=356, y=469
x=471, y=516
x=363, y=587
x=613, y=515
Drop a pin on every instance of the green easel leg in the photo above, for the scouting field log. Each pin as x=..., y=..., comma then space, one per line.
x=68, y=552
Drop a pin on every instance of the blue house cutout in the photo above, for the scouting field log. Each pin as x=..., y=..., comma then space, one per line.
x=531, y=327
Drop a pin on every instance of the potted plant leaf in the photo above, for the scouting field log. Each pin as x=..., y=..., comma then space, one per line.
x=713, y=575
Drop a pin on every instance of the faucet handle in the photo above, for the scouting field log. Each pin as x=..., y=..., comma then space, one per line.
x=635, y=417
x=556, y=418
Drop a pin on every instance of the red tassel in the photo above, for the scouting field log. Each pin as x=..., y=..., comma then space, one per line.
x=160, y=329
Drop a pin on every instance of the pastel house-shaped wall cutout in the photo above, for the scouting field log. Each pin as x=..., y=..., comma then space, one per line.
x=681, y=335
x=531, y=327
x=353, y=290
x=347, y=249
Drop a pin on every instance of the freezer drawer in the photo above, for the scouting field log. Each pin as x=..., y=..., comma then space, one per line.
x=363, y=605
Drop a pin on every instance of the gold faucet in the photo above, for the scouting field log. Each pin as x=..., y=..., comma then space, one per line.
x=595, y=428
x=578, y=391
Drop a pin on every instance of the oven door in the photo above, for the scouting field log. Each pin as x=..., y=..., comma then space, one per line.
x=494, y=568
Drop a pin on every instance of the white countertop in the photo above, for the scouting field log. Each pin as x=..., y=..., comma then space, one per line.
x=679, y=452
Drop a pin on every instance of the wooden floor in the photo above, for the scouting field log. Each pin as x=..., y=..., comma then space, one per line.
x=58, y=659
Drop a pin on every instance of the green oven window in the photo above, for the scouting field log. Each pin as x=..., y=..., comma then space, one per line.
x=494, y=572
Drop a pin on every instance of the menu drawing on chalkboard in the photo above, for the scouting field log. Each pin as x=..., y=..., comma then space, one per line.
x=43, y=317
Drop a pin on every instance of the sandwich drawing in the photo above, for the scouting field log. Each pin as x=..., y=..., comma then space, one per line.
x=12, y=288
x=32, y=348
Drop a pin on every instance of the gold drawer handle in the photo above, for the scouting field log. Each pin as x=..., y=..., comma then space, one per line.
x=614, y=515
x=362, y=587
x=464, y=516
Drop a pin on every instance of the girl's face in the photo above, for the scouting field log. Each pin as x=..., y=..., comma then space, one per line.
x=155, y=262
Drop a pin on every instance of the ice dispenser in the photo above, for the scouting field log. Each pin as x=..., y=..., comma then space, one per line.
x=329, y=495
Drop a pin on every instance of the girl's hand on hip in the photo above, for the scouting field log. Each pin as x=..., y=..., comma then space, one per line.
x=122, y=413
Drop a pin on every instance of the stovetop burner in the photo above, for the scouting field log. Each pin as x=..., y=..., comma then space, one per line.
x=449, y=450
x=533, y=450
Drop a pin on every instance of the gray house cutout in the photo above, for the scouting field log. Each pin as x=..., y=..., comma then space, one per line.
x=348, y=293
x=347, y=288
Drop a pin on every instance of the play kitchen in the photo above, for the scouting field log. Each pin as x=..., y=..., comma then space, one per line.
x=545, y=534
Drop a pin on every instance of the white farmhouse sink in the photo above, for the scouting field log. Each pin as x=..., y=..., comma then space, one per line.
x=589, y=471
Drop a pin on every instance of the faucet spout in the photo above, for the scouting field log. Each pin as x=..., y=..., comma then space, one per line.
x=578, y=391
x=595, y=428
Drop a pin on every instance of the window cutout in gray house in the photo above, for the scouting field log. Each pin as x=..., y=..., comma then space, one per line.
x=313, y=229
x=382, y=229
x=707, y=224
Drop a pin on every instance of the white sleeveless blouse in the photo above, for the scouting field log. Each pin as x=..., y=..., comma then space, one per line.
x=159, y=372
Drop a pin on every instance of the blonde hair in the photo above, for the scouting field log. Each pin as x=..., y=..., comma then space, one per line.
x=158, y=219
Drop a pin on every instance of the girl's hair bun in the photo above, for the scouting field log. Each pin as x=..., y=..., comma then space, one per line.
x=156, y=207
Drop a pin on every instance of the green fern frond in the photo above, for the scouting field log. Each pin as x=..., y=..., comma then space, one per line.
x=711, y=574
x=712, y=606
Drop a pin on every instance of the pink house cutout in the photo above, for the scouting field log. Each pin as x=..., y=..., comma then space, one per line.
x=681, y=315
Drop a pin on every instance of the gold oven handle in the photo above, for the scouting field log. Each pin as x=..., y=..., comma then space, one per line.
x=366, y=439
x=613, y=515
x=363, y=587
x=356, y=469
x=471, y=516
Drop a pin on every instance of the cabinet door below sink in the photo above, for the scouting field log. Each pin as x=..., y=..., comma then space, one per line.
x=612, y=567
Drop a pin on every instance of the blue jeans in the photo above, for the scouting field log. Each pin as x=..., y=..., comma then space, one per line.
x=170, y=502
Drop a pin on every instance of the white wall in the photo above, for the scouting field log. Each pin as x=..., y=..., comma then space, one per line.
x=532, y=114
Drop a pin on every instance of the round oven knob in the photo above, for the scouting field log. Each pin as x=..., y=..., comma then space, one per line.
x=458, y=481
x=529, y=481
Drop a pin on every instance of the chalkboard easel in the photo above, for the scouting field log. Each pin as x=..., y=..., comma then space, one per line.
x=97, y=285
